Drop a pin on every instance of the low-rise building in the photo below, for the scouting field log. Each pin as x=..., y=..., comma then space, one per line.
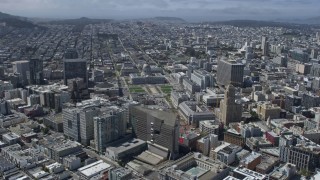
x=125, y=149
x=244, y=173
x=94, y=170
x=225, y=153
x=72, y=162
x=194, y=166
x=251, y=161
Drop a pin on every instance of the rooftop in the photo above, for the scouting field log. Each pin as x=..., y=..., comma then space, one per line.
x=94, y=168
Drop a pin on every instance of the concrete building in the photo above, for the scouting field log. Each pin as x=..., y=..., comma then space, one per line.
x=71, y=123
x=264, y=45
x=299, y=151
x=87, y=115
x=190, y=86
x=251, y=161
x=225, y=153
x=75, y=68
x=178, y=97
x=194, y=113
x=267, y=110
x=291, y=101
x=72, y=162
x=22, y=68
x=194, y=166
x=287, y=171
x=120, y=174
x=36, y=71
x=310, y=100
x=210, y=127
x=5, y=86
x=4, y=107
x=108, y=127
x=94, y=170
x=124, y=150
x=23, y=158
x=58, y=150
x=230, y=72
x=233, y=137
x=11, y=138
x=202, y=78
x=244, y=173
x=230, y=111
x=157, y=127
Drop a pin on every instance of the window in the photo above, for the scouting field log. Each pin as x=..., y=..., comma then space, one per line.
x=69, y=124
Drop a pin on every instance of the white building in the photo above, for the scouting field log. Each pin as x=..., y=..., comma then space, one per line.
x=94, y=170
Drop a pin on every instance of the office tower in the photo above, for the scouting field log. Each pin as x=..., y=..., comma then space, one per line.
x=36, y=71
x=86, y=123
x=230, y=111
x=75, y=68
x=249, y=53
x=109, y=127
x=156, y=127
x=314, y=53
x=264, y=45
x=310, y=100
x=2, y=70
x=190, y=70
x=4, y=107
x=21, y=68
x=202, y=78
x=71, y=123
x=230, y=72
x=71, y=53
x=78, y=89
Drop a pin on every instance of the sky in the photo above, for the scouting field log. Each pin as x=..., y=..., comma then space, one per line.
x=191, y=10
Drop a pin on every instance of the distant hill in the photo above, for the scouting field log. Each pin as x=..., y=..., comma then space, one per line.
x=173, y=19
x=313, y=20
x=80, y=21
x=256, y=23
x=16, y=21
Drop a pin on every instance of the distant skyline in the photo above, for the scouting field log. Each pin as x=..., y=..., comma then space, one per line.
x=191, y=10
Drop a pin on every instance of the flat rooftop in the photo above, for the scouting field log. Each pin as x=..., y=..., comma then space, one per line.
x=94, y=168
x=121, y=147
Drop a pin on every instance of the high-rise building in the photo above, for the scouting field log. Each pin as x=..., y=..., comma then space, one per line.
x=109, y=127
x=230, y=72
x=71, y=123
x=36, y=71
x=264, y=45
x=21, y=68
x=202, y=78
x=230, y=111
x=156, y=127
x=86, y=123
x=71, y=53
x=75, y=68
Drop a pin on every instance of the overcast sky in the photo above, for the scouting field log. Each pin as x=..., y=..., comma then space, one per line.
x=187, y=9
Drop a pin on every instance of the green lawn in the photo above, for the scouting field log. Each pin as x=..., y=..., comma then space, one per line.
x=136, y=89
x=166, y=89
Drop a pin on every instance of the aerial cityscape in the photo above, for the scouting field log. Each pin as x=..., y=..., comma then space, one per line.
x=168, y=95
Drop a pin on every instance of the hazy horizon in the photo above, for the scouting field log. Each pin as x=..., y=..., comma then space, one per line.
x=196, y=10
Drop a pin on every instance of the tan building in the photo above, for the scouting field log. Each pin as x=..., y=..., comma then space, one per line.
x=303, y=68
x=233, y=137
x=267, y=110
x=251, y=161
x=230, y=111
